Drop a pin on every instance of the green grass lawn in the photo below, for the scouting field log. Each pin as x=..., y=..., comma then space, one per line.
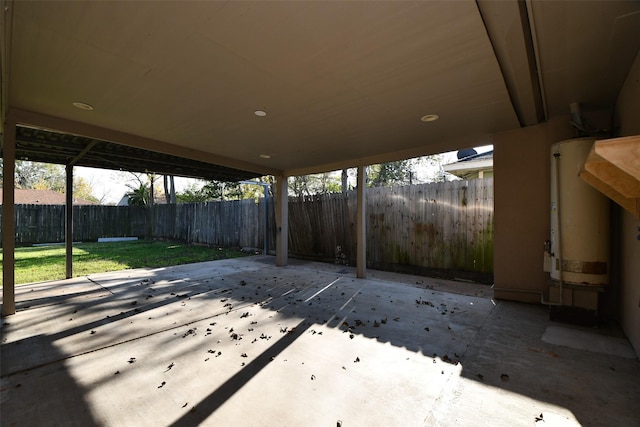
x=36, y=264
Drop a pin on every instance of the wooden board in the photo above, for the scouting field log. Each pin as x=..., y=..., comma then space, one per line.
x=613, y=168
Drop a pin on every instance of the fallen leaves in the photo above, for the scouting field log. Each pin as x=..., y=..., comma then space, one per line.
x=190, y=332
x=420, y=301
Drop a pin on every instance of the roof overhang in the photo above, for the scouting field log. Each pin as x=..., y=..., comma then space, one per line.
x=343, y=83
x=470, y=165
x=130, y=153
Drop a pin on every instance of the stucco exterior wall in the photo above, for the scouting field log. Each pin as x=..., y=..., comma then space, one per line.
x=628, y=118
x=522, y=201
x=522, y=220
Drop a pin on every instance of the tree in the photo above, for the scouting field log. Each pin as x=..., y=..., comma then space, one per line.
x=299, y=185
x=344, y=177
x=417, y=170
x=152, y=193
x=212, y=191
x=47, y=176
x=82, y=189
x=191, y=194
x=169, y=189
x=323, y=183
x=430, y=168
x=40, y=176
x=138, y=196
x=388, y=174
x=231, y=191
x=142, y=188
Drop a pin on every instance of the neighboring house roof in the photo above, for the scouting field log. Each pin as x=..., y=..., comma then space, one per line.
x=478, y=156
x=471, y=165
x=43, y=197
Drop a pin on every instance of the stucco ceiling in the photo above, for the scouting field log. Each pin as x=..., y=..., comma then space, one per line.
x=342, y=83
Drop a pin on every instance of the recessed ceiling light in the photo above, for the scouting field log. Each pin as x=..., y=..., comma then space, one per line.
x=83, y=106
x=430, y=118
x=260, y=113
x=265, y=156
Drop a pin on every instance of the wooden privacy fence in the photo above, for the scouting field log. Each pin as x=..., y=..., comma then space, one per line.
x=229, y=224
x=45, y=223
x=443, y=229
x=237, y=223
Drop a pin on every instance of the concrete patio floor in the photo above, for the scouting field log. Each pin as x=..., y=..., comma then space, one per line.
x=241, y=342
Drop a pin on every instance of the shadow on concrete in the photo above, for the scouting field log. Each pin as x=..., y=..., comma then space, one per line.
x=220, y=395
x=19, y=394
x=508, y=353
x=496, y=345
x=122, y=299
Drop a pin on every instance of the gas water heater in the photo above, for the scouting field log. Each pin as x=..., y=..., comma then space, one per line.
x=579, y=244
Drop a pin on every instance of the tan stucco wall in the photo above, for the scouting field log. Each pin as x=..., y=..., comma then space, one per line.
x=628, y=118
x=522, y=202
x=522, y=192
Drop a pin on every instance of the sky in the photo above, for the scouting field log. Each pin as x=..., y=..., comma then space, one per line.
x=110, y=186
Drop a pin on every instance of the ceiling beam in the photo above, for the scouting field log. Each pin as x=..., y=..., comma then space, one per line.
x=85, y=151
x=54, y=147
x=28, y=118
x=508, y=27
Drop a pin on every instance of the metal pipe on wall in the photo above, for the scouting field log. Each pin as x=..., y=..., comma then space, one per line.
x=558, y=249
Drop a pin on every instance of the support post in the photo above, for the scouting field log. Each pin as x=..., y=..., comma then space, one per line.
x=68, y=223
x=266, y=220
x=361, y=225
x=282, y=221
x=8, y=224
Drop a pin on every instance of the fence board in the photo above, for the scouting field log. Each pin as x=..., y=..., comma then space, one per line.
x=442, y=228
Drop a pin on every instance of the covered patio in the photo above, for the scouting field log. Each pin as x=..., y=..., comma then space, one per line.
x=235, y=90
x=244, y=342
